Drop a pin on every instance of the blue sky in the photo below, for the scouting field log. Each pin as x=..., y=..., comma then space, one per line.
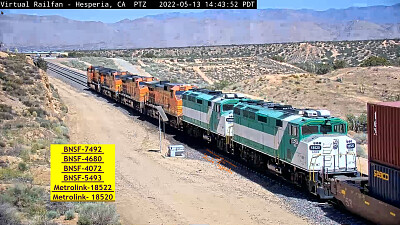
x=110, y=16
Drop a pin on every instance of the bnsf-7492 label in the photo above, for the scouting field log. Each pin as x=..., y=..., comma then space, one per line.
x=82, y=173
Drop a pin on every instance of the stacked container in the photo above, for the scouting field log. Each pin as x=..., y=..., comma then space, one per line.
x=384, y=151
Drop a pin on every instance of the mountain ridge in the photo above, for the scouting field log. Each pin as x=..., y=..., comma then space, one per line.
x=210, y=27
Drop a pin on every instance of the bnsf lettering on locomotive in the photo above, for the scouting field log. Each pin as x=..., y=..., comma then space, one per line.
x=381, y=175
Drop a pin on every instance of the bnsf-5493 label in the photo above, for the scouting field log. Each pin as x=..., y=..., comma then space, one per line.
x=82, y=173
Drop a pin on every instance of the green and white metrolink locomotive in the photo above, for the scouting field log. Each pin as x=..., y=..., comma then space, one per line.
x=307, y=147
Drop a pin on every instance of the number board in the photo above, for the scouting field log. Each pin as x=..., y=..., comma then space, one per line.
x=82, y=173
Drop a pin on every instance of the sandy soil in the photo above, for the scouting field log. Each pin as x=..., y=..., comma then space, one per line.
x=151, y=189
x=203, y=75
x=127, y=66
x=3, y=55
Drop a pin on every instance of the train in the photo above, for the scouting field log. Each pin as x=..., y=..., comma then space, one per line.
x=307, y=147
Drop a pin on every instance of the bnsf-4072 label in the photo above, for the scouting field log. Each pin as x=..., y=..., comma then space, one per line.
x=82, y=173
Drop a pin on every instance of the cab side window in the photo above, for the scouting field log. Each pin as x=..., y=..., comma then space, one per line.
x=293, y=130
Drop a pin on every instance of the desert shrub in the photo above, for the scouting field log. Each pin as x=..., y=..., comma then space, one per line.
x=2, y=144
x=11, y=174
x=339, y=64
x=60, y=141
x=98, y=214
x=35, y=147
x=41, y=63
x=25, y=155
x=149, y=55
x=22, y=166
x=69, y=215
x=64, y=108
x=45, y=124
x=323, y=68
x=38, y=111
x=6, y=116
x=307, y=66
x=375, y=61
x=8, y=214
x=357, y=123
x=220, y=85
x=278, y=58
x=52, y=214
x=25, y=197
x=5, y=108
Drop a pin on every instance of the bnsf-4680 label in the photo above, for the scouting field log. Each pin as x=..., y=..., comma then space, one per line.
x=82, y=173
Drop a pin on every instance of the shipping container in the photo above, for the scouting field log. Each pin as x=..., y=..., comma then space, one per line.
x=384, y=183
x=384, y=133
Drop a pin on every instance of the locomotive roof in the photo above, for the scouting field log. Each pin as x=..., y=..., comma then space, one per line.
x=281, y=112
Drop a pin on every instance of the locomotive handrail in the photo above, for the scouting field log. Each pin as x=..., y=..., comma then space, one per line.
x=313, y=175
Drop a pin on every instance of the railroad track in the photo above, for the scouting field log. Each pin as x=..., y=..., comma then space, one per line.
x=67, y=73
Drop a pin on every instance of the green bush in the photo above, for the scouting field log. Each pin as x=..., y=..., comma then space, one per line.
x=357, y=123
x=219, y=85
x=69, y=215
x=323, y=68
x=52, y=214
x=9, y=214
x=60, y=141
x=10, y=174
x=41, y=63
x=22, y=166
x=375, y=61
x=5, y=108
x=25, y=155
x=278, y=58
x=98, y=214
x=6, y=116
x=26, y=198
x=339, y=64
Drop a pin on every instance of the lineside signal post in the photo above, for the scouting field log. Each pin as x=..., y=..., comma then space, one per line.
x=82, y=173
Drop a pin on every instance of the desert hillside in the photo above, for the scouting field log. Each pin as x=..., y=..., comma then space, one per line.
x=344, y=91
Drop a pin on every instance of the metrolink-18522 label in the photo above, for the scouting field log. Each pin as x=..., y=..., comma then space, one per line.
x=82, y=173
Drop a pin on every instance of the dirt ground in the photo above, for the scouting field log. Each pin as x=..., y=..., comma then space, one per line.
x=151, y=189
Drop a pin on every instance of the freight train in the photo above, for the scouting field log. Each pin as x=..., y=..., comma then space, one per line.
x=307, y=147
x=376, y=197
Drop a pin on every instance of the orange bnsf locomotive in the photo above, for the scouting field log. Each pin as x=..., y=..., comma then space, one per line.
x=139, y=92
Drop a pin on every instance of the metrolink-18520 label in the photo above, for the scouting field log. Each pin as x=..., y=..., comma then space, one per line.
x=82, y=173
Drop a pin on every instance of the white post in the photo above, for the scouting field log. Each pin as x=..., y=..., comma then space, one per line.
x=159, y=128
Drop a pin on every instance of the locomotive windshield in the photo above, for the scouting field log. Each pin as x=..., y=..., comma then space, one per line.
x=326, y=128
x=227, y=107
x=306, y=130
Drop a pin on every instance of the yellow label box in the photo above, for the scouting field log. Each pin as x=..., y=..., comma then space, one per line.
x=82, y=173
